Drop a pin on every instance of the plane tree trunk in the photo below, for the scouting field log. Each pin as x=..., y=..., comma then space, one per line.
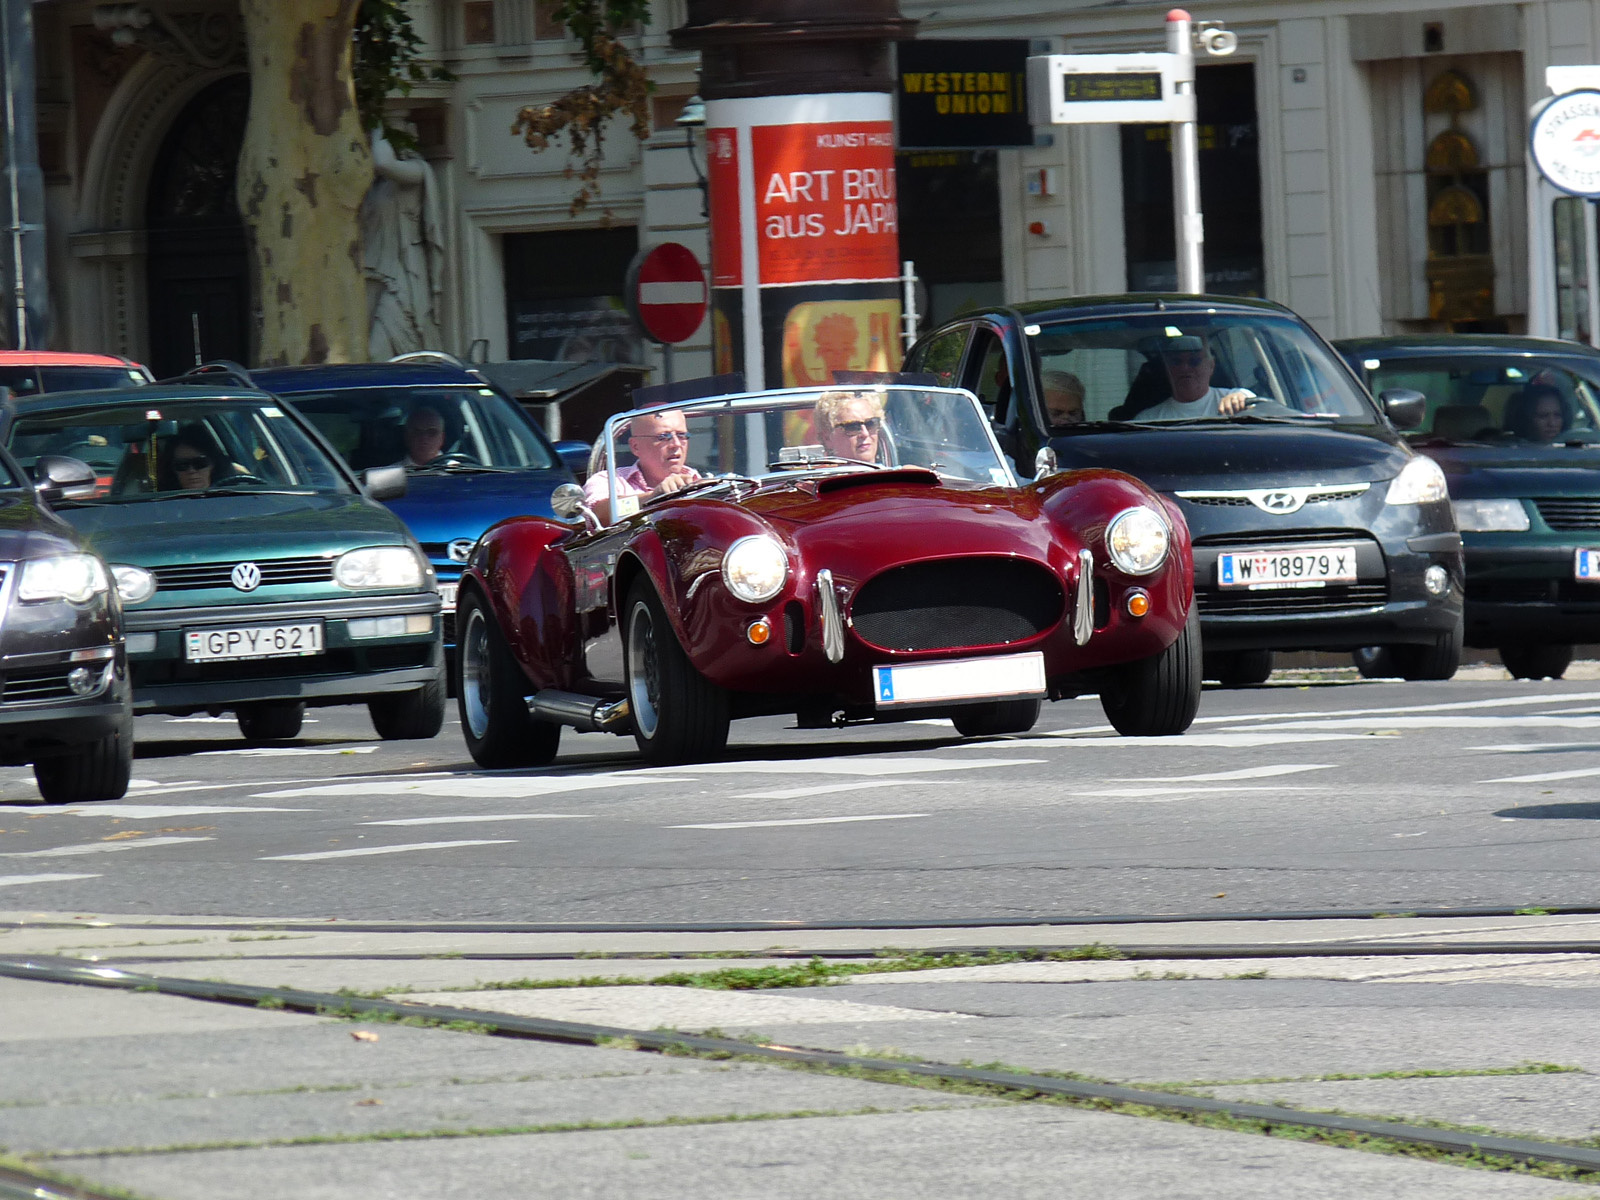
x=304, y=170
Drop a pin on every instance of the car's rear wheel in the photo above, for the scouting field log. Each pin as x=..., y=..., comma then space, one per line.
x=1239, y=668
x=1001, y=717
x=1438, y=661
x=271, y=720
x=99, y=770
x=492, y=699
x=1536, y=662
x=1374, y=662
x=678, y=714
x=406, y=716
x=1157, y=696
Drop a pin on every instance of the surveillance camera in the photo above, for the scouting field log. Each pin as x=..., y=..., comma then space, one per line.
x=1215, y=40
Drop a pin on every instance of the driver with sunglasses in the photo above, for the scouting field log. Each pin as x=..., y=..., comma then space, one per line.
x=1189, y=365
x=848, y=423
x=660, y=446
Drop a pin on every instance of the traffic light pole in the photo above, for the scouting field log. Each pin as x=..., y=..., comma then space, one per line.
x=1188, y=225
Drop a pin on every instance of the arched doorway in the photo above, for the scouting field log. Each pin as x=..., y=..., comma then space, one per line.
x=198, y=273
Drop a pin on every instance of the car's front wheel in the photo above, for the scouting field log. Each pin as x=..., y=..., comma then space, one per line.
x=405, y=716
x=271, y=720
x=1374, y=662
x=1157, y=696
x=678, y=714
x=99, y=770
x=1437, y=661
x=1001, y=717
x=1536, y=662
x=491, y=698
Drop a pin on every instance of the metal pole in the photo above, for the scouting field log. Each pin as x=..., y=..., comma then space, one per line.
x=1591, y=265
x=19, y=277
x=666, y=362
x=1188, y=226
x=909, y=315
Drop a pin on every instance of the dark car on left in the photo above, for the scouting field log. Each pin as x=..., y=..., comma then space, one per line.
x=64, y=689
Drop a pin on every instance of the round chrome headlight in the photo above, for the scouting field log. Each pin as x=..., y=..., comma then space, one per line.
x=134, y=584
x=378, y=567
x=1137, y=541
x=755, y=568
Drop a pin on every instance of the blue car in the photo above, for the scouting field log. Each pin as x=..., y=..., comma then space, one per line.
x=486, y=461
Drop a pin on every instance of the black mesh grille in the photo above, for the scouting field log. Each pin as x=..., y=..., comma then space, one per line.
x=1334, y=597
x=1576, y=513
x=953, y=603
x=448, y=621
x=219, y=575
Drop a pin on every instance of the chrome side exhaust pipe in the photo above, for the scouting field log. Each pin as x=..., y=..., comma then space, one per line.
x=587, y=714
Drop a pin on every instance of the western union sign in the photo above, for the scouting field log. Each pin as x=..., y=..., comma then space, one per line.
x=963, y=94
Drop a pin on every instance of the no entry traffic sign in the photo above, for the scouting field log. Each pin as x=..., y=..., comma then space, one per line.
x=666, y=292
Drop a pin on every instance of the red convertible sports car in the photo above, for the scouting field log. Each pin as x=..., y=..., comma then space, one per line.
x=859, y=553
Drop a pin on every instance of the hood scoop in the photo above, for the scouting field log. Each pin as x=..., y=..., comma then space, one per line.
x=838, y=483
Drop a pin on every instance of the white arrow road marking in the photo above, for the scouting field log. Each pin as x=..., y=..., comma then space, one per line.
x=798, y=821
x=828, y=788
x=368, y=850
x=1265, y=772
x=475, y=787
x=1583, y=773
x=101, y=847
x=1151, y=793
x=459, y=820
x=14, y=880
x=153, y=811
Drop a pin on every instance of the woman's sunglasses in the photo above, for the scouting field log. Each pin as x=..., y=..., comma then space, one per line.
x=190, y=464
x=870, y=425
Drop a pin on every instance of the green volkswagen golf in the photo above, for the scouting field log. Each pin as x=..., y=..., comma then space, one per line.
x=257, y=574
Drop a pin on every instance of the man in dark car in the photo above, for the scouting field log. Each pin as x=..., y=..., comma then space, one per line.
x=424, y=433
x=1189, y=365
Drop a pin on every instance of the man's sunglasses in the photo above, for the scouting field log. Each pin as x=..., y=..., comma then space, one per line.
x=190, y=464
x=664, y=439
x=870, y=425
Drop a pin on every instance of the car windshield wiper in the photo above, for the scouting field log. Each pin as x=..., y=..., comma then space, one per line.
x=1102, y=426
x=820, y=460
x=457, y=468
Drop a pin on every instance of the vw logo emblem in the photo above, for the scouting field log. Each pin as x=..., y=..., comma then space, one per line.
x=460, y=550
x=1279, y=502
x=246, y=577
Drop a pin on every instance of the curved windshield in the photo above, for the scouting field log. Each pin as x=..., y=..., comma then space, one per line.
x=1166, y=367
x=29, y=381
x=170, y=448
x=1488, y=399
x=794, y=434
x=455, y=428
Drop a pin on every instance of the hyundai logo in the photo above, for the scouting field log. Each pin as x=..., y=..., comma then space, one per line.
x=246, y=577
x=459, y=550
x=1279, y=502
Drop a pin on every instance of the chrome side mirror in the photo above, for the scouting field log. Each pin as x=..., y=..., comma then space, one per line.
x=58, y=477
x=569, y=503
x=1044, y=463
x=384, y=483
x=1404, y=407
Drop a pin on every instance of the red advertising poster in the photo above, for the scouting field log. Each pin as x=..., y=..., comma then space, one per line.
x=722, y=175
x=825, y=202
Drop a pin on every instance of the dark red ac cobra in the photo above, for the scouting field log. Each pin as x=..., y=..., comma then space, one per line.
x=790, y=579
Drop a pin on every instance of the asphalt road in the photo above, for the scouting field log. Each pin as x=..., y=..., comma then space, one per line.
x=1333, y=795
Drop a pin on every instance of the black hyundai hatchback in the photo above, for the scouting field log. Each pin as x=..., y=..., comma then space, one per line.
x=1315, y=526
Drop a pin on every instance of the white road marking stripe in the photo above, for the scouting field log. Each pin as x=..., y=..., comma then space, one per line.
x=1584, y=773
x=1188, y=741
x=1452, y=706
x=14, y=880
x=865, y=764
x=824, y=789
x=461, y=820
x=798, y=821
x=288, y=751
x=1146, y=793
x=475, y=787
x=1536, y=747
x=102, y=847
x=369, y=850
x=152, y=811
x=1445, y=722
x=1264, y=772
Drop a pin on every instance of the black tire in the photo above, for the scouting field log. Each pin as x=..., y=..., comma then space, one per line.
x=1238, y=668
x=1157, y=696
x=1438, y=661
x=492, y=697
x=271, y=720
x=678, y=714
x=99, y=770
x=1001, y=717
x=408, y=716
x=1375, y=662
x=1536, y=662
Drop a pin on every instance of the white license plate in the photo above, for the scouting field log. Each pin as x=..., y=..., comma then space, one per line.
x=1287, y=567
x=1587, y=566
x=960, y=679
x=253, y=641
x=447, y=596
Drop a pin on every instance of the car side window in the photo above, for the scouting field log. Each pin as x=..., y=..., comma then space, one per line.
x=990, y=377
x=941, y=357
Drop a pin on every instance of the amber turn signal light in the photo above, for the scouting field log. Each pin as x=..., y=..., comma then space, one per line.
x=759, y=632
x=1137, y=602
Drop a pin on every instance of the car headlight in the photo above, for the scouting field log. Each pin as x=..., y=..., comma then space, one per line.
x=134, y=584
x=1137, y=541
x=1420, y=482
x=1485, y=516
x=755, y=568
x=378, y=567
x=78, y=578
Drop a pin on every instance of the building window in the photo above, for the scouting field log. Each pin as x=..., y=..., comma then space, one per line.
x=545, y=26
x=477, y=23
x=564, y=295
